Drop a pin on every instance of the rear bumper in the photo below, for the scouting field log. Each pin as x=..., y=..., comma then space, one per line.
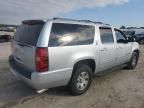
x=43, y=80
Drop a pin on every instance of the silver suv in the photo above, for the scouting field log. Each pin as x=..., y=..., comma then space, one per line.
x=60, y=52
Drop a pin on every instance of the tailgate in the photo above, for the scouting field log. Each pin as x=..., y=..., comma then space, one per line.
x=24, y=55
x=24, y=44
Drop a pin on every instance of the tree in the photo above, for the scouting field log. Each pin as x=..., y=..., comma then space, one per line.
x=142, y=27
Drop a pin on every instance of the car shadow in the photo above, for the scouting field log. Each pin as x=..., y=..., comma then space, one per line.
x=10, y=88
x=58, y=91
x=15, y=91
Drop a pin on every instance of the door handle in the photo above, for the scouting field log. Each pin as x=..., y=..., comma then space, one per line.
x=20, y=44
x=104, y=49
x=119, y=47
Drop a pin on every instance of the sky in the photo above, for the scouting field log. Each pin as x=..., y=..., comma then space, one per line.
x=114, y=12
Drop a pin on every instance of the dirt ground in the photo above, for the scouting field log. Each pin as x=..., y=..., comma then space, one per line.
x=119, y=89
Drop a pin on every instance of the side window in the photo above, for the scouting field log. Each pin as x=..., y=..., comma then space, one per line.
x=120, y=36
x=71, y=34
x=106, y=35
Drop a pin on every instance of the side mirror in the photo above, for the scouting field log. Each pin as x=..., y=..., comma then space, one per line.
x=131, y=39
x=127, y=41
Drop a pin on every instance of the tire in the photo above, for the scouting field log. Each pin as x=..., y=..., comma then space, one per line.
x=134, y=60
x=81, y=79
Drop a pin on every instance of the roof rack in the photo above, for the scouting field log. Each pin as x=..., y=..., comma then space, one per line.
x=87, y=21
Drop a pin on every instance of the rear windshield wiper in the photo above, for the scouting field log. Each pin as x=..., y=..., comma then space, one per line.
x=23, y=45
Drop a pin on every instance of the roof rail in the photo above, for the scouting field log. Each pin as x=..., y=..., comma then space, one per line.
x=92, y=21
x=87, y=21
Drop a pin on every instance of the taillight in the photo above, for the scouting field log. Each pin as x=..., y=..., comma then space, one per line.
x=42, y=59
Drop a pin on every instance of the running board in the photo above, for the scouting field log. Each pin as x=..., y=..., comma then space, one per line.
x=102, y=73
x=41, y=91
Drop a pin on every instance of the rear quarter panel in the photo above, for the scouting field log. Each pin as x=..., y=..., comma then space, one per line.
x=65, y=57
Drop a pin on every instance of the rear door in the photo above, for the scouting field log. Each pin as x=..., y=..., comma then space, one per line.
x=124, y=48
x=107, y=48
x=24, y=44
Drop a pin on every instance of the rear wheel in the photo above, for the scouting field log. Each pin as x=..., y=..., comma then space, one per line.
x=134, y=60
x=81, y=79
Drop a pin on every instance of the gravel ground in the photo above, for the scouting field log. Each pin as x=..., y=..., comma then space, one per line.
x=119, y=89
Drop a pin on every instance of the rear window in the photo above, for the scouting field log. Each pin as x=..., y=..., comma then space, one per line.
x=28, y=34
x=106, y=35
x=71, y=34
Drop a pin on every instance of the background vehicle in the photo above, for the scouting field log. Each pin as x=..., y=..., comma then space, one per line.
x=135, y=35
x=63, y=52
x=140, y=38
x=5, y=38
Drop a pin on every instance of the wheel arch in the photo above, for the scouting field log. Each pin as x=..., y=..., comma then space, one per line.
x=90, y=61
x=137, y=51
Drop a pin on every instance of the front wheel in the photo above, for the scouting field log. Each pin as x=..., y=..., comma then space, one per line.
x=81, y=79
x=134, y=60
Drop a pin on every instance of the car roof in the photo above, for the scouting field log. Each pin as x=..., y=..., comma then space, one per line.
x=65, y=20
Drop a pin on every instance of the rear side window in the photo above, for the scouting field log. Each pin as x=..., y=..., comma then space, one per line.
x=106, y=35
x=28, y=34
x=71, y=34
